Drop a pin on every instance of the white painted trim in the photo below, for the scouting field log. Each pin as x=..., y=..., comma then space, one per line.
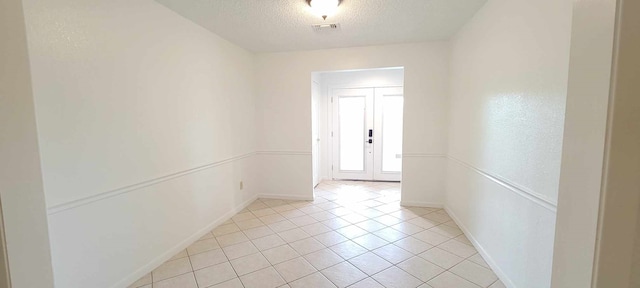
x=496, y=269
x=420, y=155
x=284, y=197
x=356, y=86
x=181, y=246
x=522, y=191
x=130, y=188
x=421, y=204
x=283, y=152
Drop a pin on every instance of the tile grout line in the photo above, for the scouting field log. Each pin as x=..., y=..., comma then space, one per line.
x=193, y=270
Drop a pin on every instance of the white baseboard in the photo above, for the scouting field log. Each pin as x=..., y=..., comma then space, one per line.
x=496, y=269
x=285, y=197
x=421, y=204
x=144, y=270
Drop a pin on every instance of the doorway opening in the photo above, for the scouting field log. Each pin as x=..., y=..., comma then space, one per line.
x=357, y=124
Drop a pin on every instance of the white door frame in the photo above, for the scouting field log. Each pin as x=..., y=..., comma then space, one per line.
x=315, y=131
x=5, y=278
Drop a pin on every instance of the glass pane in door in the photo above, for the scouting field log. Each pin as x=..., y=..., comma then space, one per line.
x=352, y=138
x=392, y=133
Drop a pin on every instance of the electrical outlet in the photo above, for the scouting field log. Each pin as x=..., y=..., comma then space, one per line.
x=241, y=185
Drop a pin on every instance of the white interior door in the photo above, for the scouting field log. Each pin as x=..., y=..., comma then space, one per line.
x=387, y=138
x=352, y=118
x=367, y=133
x=315, y=132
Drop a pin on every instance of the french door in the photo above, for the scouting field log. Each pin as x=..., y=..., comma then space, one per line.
x=367, y=133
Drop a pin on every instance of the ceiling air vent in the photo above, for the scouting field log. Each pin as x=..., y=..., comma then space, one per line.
x=326, y=27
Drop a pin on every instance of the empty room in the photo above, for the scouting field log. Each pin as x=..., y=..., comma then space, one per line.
x=319, y=143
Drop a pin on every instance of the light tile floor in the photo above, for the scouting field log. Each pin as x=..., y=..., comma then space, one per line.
x=355, y=234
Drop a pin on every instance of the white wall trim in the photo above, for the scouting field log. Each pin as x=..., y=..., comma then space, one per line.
x=421, y=155
x=421, y=204
x=496, y=269
x=285, y=197
x=522, y=191
x=362, y=86
x=283, y=152
x=130, y=188
x=182, y=245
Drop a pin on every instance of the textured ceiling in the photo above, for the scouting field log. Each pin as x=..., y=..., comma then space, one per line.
x=285, y=25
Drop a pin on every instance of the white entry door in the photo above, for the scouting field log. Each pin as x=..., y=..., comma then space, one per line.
x=367, y=133
x=387, y=138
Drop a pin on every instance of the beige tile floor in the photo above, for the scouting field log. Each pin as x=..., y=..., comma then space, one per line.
x=355, y=234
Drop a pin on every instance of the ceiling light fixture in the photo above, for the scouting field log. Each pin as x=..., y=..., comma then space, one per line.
x=324, y=8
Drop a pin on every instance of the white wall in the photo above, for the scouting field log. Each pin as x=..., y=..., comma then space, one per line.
x=146, y=125
x=508, y=90
x=347, y=79
x=284, y=114
x=21, y=192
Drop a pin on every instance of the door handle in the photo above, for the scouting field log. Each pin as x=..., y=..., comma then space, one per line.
x=370, y=141
x=370, y=132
